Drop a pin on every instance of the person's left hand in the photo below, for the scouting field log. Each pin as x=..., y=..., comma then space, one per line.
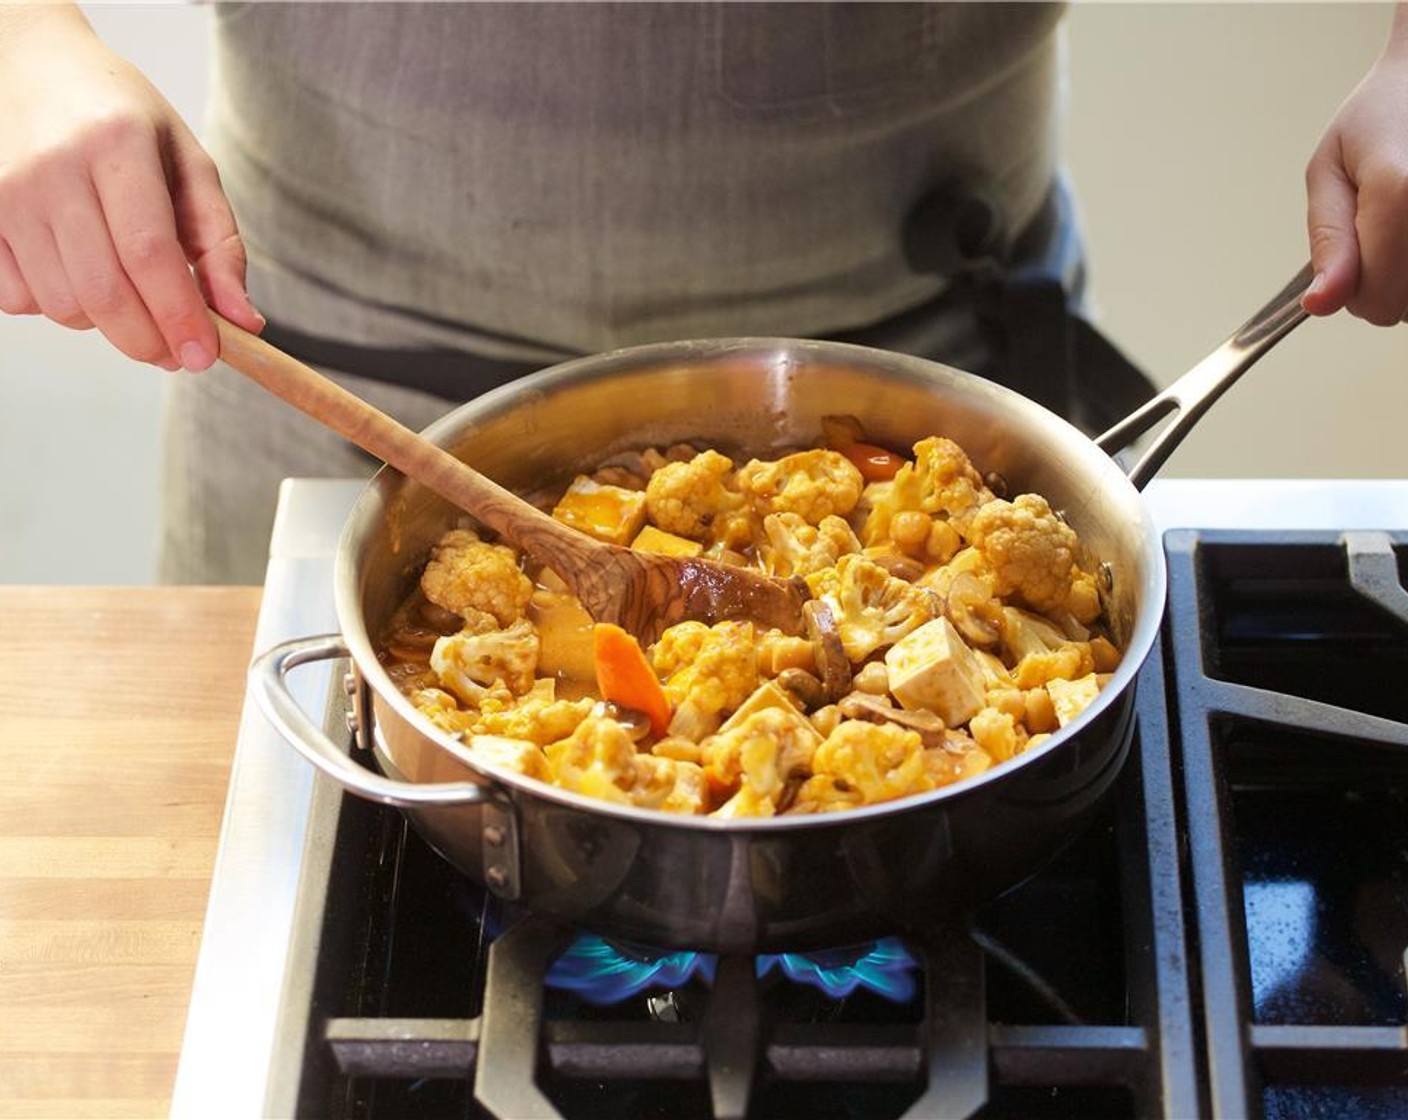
x=1357, y=190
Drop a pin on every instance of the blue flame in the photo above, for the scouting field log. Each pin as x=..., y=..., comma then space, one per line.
x=601, y=973
x=886, y=968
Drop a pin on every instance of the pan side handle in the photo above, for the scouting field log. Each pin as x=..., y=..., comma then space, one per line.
x=268, y=684
x=1193, y=393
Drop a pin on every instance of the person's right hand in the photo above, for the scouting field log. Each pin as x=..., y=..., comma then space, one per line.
x=111, y=213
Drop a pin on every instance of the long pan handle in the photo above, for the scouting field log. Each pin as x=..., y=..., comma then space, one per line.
x=1194, y=393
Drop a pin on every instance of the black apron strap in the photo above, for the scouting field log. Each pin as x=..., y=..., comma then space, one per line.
x=455, y=375
x=1048, y=351
x=1027, y=293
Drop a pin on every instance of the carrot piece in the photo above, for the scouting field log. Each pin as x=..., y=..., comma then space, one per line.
x=625, y=677
x=876, y=463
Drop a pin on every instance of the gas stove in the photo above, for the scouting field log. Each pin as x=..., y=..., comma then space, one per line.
x=1227, y=940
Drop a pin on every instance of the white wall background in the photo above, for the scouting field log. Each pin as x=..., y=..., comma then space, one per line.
x=1188, y=129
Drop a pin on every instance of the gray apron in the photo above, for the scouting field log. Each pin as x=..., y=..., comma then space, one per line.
x=439, y=198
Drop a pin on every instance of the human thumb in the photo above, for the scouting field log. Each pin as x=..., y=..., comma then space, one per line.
x=1332, y=202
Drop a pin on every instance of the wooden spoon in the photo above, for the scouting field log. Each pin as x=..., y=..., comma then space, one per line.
x=640, y=592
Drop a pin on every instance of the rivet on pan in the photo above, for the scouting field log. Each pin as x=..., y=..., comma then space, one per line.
x=1107, y=577
x=496, y=876
x=353, y=723
x=494, y=836
x=349, y=683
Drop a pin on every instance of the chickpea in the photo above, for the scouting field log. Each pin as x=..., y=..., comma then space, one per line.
x=785, y=652
x=943, y=543
x=1040, y=712
x=1084, y=600
x=909, y=529
x=873, y=678
x=678, y=749
x=1104, y=656
x=826, y=719
x=1009, y=701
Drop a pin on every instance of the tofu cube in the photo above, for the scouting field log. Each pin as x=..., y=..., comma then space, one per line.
x=651, y=539
x=933, y=668
x=769, y=694
x=608, y=513
x=1070, y=698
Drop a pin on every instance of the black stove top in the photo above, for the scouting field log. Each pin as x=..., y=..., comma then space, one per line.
x=1227, y=940
x=1292, y=663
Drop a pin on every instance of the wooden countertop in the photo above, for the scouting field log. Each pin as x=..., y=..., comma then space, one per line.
x=118, y=716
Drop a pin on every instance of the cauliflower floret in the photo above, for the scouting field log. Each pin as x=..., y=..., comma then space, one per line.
x=1039, y=653
x=440, y=708
x=747, y=802
x=468, y=575
x=881, y=761
x=467, y=663
x=1030, y=551
x=873, y=609
x=687, y=498
x=1083, y=602
x=822, y=793
x=679, y=646
x=952, y=486
x=959, y=758
x=513, y=754
x=941, y=482
x=599, y=759
x=1071, y=697
x=669, y=784
x=706, y=671
x=998, y=734
x=811, y=484
x=539, y=717
x=795, y=547
x=759, y=755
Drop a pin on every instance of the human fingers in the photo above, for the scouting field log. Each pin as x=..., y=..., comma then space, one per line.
x=36, y=254
x=207, y=229
x=15, y=296
x=1331, y=205
x=1381, y=296
x=137, y=207
x=99, y=283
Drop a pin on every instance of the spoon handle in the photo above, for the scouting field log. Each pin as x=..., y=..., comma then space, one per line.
x=414, y=456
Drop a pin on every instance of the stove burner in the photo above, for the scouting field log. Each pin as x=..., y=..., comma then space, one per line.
x=603, y=972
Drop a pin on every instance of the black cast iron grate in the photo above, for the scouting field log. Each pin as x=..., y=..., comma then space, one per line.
x=1290, y=667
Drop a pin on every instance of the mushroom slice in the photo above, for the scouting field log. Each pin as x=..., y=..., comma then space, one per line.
x=809, y=691
x=973, y=611
x=875, y=709
x=832, y=664
x=637, y=724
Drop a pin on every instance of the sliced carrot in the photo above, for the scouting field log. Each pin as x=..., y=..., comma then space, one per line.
x=625, y=677
x=876, y=463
